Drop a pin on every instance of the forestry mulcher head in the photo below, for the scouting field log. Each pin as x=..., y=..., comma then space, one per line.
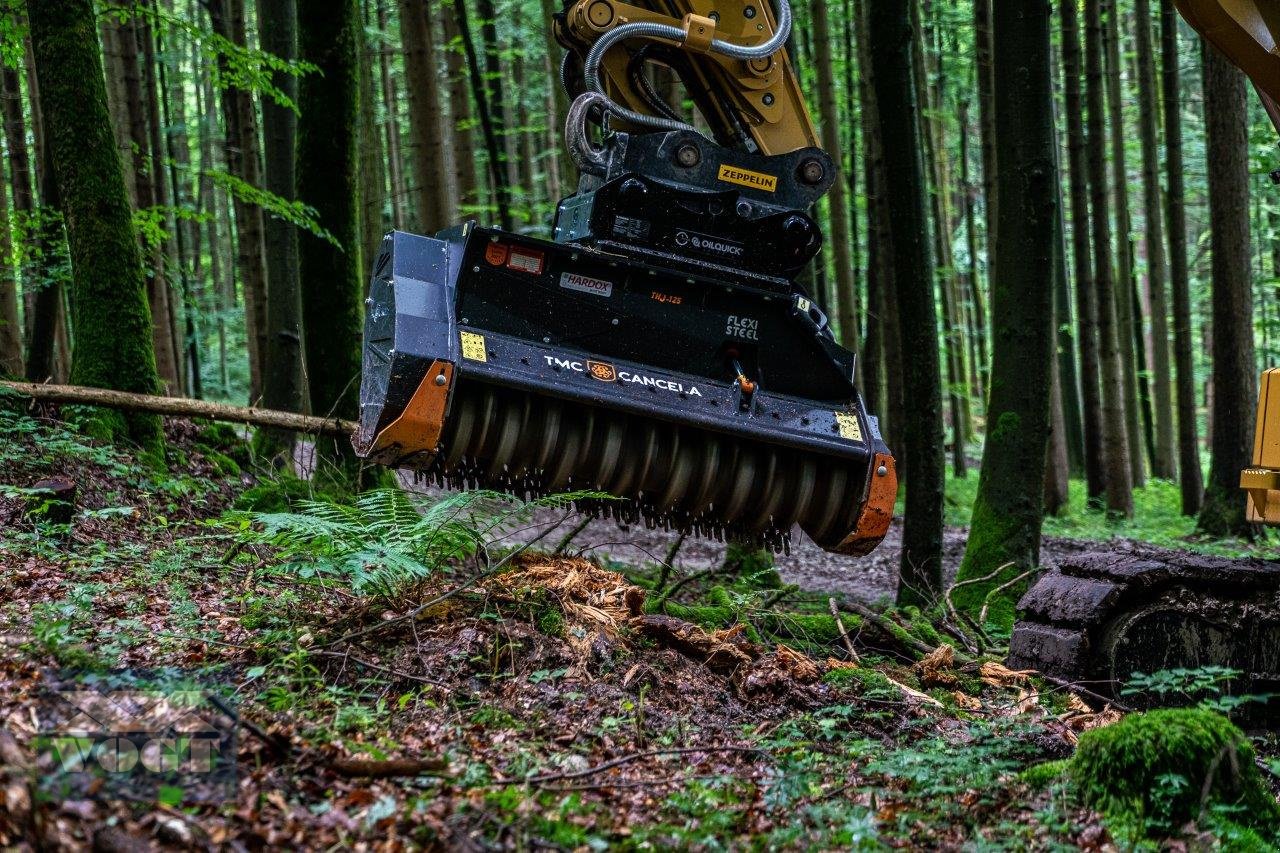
x=658, y=350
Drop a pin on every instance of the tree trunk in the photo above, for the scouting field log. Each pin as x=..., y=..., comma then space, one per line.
x=373, y=174
x=332, y=309
x=480, y=92
x=395, y=163
x=559, y=106
x=46, y=318
x=1164, y=462
x=1057, y=471
x=147, y=196
x=986, y=121
x=493, y=105
x=1190, y=477
x=462, y=134
x=167, y=249
x=1115, y=442
x=1082, y=256
x=977, y=314
x=890, y=39
x=282, y=381
x=839, y=238
x=112, y=319
x=1226, y=117
x=1125, y=282
x=430, y=191
x=242, y=162
x=10, y=325
x=1008, y=512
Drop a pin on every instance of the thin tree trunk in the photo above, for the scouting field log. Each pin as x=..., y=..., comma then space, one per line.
x=490, y=131
x=46, y=311
x=10, y=325
x=890, y=39
x=327, y=174
x=1082, y=256
x=978, y=329
x=986, y=121
x=1226, y=118
x=1190, y=477
x=1115, y=442
x=839, y=238
x=1007, y=515
x=112, y=323
x=148, y=196
x=395, y=163
x=373, y=175
x=1164, y=463
x=462, y=134
x=1125, y=281
x=486, y=88
x=242, y=162
x=19, y=166
x=430, y=190
x=282, y=381
x=559, y=104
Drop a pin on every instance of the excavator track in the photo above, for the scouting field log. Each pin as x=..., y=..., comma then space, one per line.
x=1103, y=617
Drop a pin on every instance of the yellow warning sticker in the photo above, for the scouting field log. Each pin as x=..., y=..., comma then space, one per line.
x=848, y=425
x=748, y=178
x=473, y=347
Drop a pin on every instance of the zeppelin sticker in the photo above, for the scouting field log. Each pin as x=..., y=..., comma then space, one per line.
x=585, y=284
x=747, y=178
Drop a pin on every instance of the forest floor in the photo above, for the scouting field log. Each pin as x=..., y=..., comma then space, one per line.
x=502, y=698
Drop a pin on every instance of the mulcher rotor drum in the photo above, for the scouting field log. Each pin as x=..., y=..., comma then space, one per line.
x=714, y=403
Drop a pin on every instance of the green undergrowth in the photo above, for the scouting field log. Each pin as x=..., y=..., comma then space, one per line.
x=1157, y=519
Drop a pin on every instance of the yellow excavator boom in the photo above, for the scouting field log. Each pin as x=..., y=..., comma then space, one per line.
x=1248, y=33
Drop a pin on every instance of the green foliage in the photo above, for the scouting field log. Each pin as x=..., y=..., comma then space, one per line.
x=1152, y=773
x=231, y=65
x=1043, y=775
x=1205, y=687
x=385, y=541
x=294, y=212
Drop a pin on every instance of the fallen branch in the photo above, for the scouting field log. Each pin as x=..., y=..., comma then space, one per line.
x=886, y=625
x=377, y=667
x=181, y=407
x=844, y=635
x=986, y=602
x=389, y=769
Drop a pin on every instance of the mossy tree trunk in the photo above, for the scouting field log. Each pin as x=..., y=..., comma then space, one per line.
x=1009, y=508
x=1190, y=477
x=112, y=319
x=1226, y=118
x=10, y=330
x=328, y=180
x=432, y=204
x=890, y=37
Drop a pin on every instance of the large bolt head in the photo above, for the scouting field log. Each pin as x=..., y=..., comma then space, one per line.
x=812, y=172
x=688, y=155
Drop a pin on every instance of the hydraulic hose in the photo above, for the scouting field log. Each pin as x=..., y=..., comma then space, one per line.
x=650, y=30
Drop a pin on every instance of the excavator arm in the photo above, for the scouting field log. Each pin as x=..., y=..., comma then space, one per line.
x=1248, y=33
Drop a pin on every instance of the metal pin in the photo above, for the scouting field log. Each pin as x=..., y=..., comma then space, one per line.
x=882, y=471
x=441, y=379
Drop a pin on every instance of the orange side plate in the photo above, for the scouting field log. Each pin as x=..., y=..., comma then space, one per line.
x=418, y=428
x=873, y=522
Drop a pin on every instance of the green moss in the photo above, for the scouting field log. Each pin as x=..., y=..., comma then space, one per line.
x=1043, y=775
x=224, y=465
x=922, y=627
x=1152, y=773
x=815, y=629
x=995, y=539
x=859, y=679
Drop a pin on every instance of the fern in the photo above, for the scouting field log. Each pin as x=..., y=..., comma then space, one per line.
x=385, y=541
